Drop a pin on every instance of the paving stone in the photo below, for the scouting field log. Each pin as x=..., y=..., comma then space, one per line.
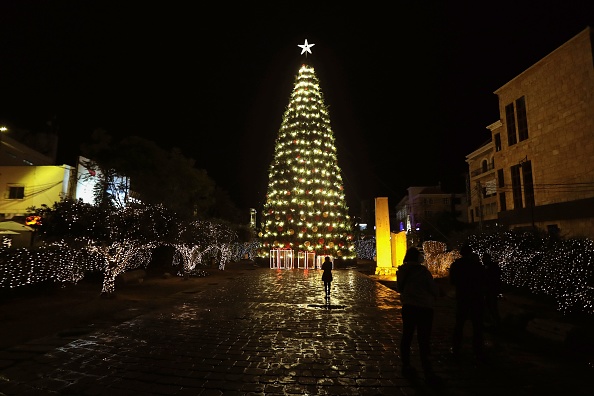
x=256, y=333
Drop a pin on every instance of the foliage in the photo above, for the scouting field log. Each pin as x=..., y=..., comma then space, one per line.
x=437, y=258
x=443, y=227
x=121, y=238
x=73, y=222
x=174, y=204
x=545, y=265
x=52, y=263
x=157, y=176
x=223, y=208
x=365, y=248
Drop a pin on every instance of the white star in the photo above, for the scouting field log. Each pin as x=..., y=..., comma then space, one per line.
x=305, y=47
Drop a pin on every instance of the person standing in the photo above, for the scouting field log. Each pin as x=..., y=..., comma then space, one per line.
x=468, y=278
x=493, y=289
x=327, y=275
x=418, y=293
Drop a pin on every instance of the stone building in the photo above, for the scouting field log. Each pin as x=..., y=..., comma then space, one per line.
x=542, y=147
x=482, y=186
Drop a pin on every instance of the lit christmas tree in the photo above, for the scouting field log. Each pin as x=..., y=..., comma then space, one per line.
x=305, y=209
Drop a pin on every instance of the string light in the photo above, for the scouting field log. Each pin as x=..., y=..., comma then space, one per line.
x=305, y=207
x=543, y=265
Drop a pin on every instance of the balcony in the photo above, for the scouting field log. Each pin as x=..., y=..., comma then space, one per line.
x=486, y=168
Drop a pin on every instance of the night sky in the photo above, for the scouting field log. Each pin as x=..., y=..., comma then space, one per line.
x=409, y=87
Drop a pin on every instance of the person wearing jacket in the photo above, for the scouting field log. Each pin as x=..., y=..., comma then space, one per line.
x=418, y=293
x=467, y=275
x=327, y=275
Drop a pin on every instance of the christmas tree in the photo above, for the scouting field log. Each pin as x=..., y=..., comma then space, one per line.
x=305, y=208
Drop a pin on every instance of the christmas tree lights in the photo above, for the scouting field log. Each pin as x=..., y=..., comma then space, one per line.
x=305, y=208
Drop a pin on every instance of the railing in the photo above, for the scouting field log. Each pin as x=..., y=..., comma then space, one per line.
x=481, y=170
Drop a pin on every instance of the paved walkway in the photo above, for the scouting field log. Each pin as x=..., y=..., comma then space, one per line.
x=271, y=332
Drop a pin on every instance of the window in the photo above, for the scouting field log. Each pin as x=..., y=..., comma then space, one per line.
x=516, y=186
x=485, y=165
x=497, y=142
x=516, y=128
x=502, y=203
x=528, y=183
x=16, y=192
x=553, y=230
x=501, y=182
x=522, y=120
x=446, y=201
x=510, y=120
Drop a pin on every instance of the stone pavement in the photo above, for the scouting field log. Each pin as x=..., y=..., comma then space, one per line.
x=259, y=331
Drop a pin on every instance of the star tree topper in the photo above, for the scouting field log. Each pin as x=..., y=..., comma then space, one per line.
x=305, y=48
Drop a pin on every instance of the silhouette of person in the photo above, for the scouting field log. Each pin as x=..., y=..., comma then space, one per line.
x=492, y=289
x=468, y=277
x=418, y=293
x=327, y=275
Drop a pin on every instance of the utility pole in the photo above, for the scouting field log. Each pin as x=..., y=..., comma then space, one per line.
x=528, y=195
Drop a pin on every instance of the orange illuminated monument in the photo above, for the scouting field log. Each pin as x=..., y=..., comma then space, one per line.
x=390, y=247
x=383, y=246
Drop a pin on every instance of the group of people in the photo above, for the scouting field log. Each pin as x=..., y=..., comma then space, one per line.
x=477, y=282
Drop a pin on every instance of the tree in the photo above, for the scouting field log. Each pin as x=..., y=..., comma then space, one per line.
x=200, y=241
x=442, y=226
x=118, y=238
x=73, y=222
x=223, y=208
x=305, y=206
x=156, y=176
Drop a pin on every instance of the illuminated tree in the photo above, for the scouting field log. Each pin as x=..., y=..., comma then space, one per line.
x=200, y=241
x=131, y=235
x=71, y=222
x=305, y=208
x=119, y=239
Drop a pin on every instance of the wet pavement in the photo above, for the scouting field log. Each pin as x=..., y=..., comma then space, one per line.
x=264, y=331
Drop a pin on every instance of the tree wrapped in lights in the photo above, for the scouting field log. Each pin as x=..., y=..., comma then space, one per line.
x=118, y=239
x=305, y=208
x=202, y=240
x=131, y=235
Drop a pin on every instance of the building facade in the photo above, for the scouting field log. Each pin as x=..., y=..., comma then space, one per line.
x=420, y=207
x=23, y=187
x=543, y=146
x=482, y=183
x=14, y=152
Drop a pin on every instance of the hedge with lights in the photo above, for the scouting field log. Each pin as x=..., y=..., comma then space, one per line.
x=543, y=265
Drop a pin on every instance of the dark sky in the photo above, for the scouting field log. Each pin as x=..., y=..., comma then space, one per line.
x=409, y=87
